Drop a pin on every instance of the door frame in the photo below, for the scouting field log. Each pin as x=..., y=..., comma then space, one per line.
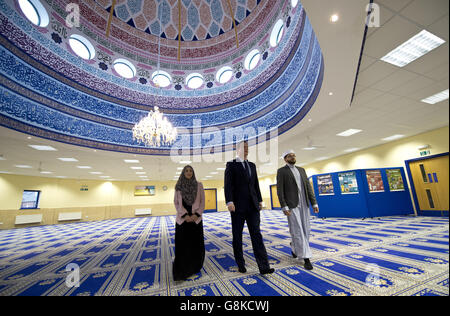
x=413, y=189
x=211, y=210
x=271, y=198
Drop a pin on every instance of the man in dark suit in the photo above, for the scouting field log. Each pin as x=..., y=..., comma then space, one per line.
x=244, y=202
x=296, y=195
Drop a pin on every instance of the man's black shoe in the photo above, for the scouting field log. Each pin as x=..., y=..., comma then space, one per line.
x=242, y=269
x=268, y=271
x=308, y=265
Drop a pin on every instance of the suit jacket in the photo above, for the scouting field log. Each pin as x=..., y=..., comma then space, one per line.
x=197, y=207
x=287, y=189
x=241, y=189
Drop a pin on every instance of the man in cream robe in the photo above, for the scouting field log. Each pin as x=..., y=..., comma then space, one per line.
x=296, y=194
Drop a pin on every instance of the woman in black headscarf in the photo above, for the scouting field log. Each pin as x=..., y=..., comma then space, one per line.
x=189, y=242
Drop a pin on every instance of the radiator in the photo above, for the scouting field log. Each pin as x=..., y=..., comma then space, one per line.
x=69, y=216
x=28, y=219
x=143, y=211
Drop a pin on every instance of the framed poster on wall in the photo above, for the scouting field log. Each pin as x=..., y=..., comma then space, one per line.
x=374, y=181
x=325, y=184
x=348, y=183
x=395, y=180
x=144, y=190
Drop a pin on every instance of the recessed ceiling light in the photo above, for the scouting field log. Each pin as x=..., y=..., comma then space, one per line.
x=220, y=168
x=309, y=148
x=2, y=158
x=321, y=158
x=95, y=172
x=414, y=48
x=137, y=168
x=438, y=97
x=141, y=172
x=68, y=159
x=46, y=172
x=84, y=167
x=330, y=93
x=185, y=161
x=349, y=132
x=214, y=172
x=334, y=18
x=23, y=166
x=393, y=137
x=42, y=147
x=131, y=161
x=105, y=176
x=143, y=176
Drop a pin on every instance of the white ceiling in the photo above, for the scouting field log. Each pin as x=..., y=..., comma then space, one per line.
x=386, y=101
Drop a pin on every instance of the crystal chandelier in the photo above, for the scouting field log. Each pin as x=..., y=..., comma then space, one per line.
x=155, y=130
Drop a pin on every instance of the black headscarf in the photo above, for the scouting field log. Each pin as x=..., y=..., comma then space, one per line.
x=187, y=187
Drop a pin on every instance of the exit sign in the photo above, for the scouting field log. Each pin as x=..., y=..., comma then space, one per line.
x=424, y=152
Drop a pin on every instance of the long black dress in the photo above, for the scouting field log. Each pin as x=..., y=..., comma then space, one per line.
x=189, y=248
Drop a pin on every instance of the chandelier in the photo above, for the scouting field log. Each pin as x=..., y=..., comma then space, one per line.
x=155, y=130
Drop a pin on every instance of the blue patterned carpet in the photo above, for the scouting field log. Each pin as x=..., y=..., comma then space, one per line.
x=387, y=256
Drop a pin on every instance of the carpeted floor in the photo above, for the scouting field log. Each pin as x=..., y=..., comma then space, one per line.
x=383, y=256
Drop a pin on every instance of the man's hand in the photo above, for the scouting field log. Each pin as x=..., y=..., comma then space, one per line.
x=316, y=209
x=231, y=207
x=189, y=219
x=261, y=206
x=287, y=213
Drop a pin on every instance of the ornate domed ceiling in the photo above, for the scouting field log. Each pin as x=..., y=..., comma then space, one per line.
x=47, y=90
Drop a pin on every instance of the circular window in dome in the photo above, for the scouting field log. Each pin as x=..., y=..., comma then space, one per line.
x=252, y=59
x=81, y=46
x=124, y=68
x=277, y=33
x=35, y=12
x=224, y=74
x=161, y=78
x=194, y=81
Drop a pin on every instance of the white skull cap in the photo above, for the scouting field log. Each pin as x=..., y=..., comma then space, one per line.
x=290, y=151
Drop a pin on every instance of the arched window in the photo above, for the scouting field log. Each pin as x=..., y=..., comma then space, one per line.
x=224, y=74
x=81, y=46
x=161, y=78
x=35, y=12
x=194, y=81
x=124, y=68
x=252, y=59
x=277, y=33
